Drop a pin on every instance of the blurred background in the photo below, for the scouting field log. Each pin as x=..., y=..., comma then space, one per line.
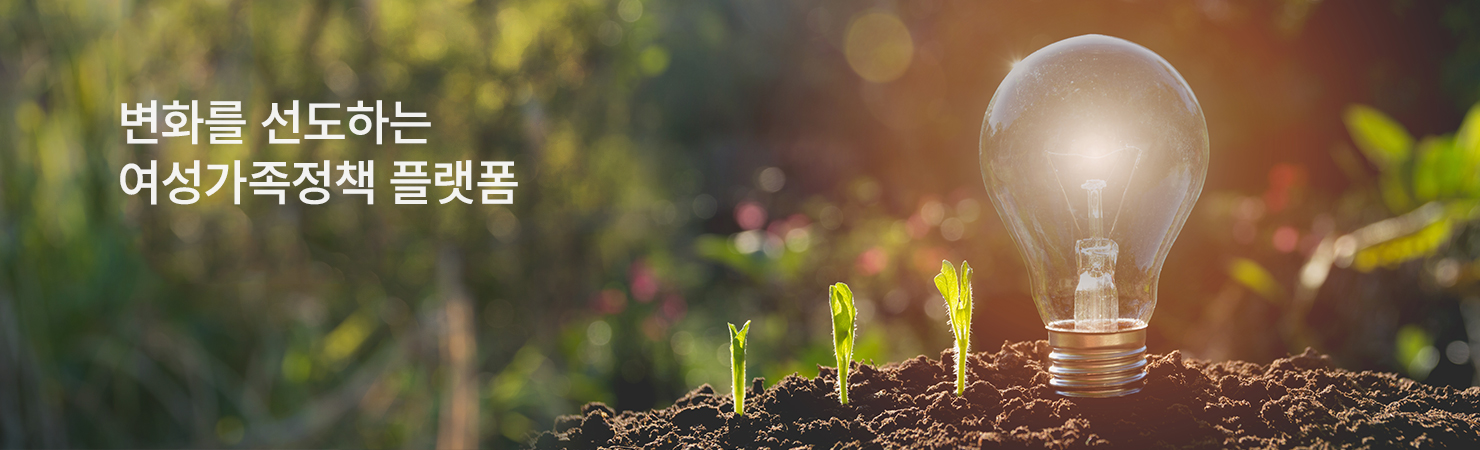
x=682, y=164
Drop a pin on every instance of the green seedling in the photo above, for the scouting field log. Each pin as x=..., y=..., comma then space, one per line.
x=957, y=291
x=843, y=313
x=737, y=364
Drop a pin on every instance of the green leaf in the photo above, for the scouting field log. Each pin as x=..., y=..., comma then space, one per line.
x=1441, y=170
x=738, y=336
x=843, y=314
x=1467, y=143
x=1378, y=136
x=1421, y=244
x=963, y=306
x=946, y=282
x=1468, y=137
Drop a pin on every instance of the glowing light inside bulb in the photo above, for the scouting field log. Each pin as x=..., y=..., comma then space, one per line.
x=1094, y=165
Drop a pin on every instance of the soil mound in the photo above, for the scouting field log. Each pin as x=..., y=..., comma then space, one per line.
x=1297, y=401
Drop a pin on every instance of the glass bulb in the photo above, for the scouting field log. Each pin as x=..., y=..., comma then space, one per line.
x=1094, y=150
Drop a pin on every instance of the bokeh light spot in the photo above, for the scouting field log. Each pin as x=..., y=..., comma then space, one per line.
x=610, y=34
x=682, y=343
x=878, y=46
x=1285, y=238
x=772, y=179
x=630, y=10
x=935, y=308
x=1458, y=352
x=230, y=430
x=831, y=217
x=750, y=215
x=599, y=332
x=968, y=210
x=654, y=60
x=704, y=206
x=748, y=242
x=799, y=239
x=933, y=212
x=872, y=261
x=952, y=229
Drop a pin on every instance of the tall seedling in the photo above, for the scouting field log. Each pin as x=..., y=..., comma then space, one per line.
x=737, y=364
x=957, y=291
x=843, y=314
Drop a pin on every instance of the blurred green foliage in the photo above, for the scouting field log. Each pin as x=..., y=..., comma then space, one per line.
x=1415, y=172
x=1430, y=191
x=1254, y=277
x=214, y=324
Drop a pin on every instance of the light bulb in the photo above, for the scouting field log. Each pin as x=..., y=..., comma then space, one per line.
x=1094, y=150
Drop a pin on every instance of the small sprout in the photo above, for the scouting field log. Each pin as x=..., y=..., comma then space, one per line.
x=737, y=364
x=841, y=299
x=957, y=292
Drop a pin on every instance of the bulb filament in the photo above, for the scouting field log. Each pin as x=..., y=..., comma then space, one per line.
x=1096, y=302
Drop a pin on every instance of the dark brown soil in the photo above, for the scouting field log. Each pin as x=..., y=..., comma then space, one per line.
x=1297, y=401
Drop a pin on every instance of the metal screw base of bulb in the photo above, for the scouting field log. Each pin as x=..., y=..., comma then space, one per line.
x=1097, y=364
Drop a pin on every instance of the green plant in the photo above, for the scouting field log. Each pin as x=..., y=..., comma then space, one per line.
x=737, y=364
x=957, y=291
x=843, y=314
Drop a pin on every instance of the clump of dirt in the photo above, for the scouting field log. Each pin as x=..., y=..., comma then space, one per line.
x=1297, y=401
